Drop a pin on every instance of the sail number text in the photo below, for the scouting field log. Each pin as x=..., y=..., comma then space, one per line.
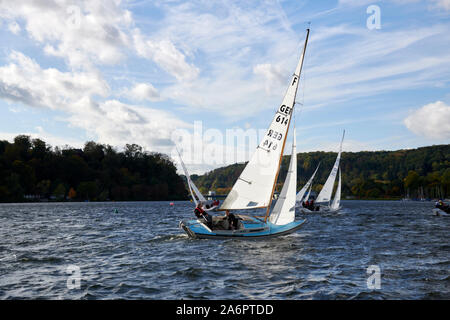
x=285, y=110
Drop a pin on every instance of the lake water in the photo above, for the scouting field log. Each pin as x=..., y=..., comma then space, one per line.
x=134, y=250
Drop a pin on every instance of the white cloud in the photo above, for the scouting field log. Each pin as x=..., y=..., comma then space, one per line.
x=431, y=121
x=82, y=32
x=23, y=80
x=273, y=75
x=435, y=4
x=354, y=2
x=142, y=92
x=166, y=55
x=118, y=123
x=442, y=4
x=74, y=93
x=14, y=27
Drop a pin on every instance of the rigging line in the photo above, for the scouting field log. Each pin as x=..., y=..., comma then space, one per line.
x=303, y=83
x=304, y=88
x=304, y=79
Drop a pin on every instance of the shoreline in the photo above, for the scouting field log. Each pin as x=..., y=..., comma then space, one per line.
x=178, y=200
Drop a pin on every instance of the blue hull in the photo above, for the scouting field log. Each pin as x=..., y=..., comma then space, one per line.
x=250, y=228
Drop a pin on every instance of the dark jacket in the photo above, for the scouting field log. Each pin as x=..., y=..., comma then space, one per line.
x=232, y=220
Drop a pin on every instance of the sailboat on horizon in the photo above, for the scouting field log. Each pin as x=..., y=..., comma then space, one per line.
x=300, y=198
x=255, y=187
x=323, y=203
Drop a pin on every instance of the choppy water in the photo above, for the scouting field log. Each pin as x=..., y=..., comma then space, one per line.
x=139, y=253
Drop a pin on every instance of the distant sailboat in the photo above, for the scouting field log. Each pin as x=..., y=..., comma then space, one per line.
x=301, y=194
x=255, y=186
x=323, y=201
x=196, y=195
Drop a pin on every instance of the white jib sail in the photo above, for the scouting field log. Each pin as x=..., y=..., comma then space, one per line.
x=337, y=197
x=284, y=210
x=302, y=192
x=327, y=189
x=191, y=184
x=254, y=187
x=309, y=192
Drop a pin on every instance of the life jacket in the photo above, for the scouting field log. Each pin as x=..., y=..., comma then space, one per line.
x=198, y=212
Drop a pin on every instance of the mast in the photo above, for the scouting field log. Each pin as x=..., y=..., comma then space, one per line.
x=295, y=78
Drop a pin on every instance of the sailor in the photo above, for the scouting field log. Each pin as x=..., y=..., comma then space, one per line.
x=311, y=204
x=208, y=219
x=233, y=221
x=203, y=215
x=199, y=210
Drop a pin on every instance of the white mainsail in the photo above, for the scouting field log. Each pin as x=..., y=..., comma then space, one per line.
x=327, y=189
x=302, y=192
x=284, y=210
x=337, y=197
x=192, y=187
x=255, y=186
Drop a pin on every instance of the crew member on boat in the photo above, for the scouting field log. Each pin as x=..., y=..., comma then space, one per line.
x=232, y=220
x=311, y=205
x=198, y=211
x=202, y=215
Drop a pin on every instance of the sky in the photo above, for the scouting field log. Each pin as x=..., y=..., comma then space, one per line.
x=207, y=76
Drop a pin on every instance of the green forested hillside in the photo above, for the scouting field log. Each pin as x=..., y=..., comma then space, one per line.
x=31, y=170
x=377, y=174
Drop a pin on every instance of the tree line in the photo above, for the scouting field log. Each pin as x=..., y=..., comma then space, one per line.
x=416, y=173
x=30, y=169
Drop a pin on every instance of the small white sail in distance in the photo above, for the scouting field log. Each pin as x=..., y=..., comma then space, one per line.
x=255, y=186
x=191, y=185
x=302, y=192
x=337, y=197
x=309, y=192
x=327, y=189
x=284, y=209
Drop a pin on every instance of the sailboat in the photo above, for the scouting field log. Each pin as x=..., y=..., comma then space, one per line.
x=307, y=187
x=196, y=195
x=323, y=201
x=255, y=186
